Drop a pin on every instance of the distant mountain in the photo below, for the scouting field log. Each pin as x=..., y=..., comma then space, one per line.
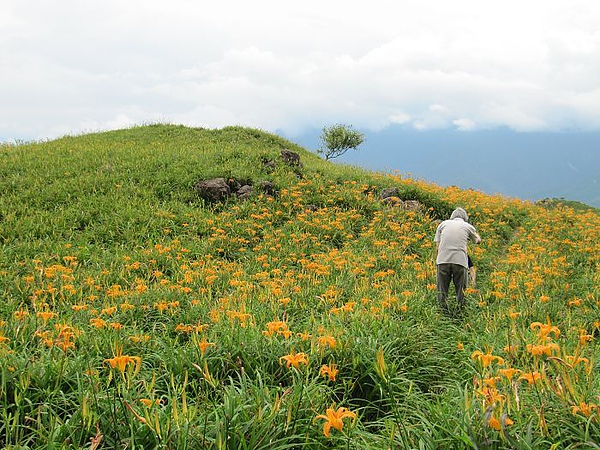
x=530, y=166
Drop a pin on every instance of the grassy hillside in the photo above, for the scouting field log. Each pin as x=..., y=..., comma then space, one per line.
x=136, y=314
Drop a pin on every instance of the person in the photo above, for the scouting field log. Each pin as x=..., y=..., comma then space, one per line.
x=452, y=237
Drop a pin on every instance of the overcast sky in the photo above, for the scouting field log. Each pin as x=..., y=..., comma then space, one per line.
x=73, y=66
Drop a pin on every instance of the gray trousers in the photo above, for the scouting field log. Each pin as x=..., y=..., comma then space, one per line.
x=459, y=276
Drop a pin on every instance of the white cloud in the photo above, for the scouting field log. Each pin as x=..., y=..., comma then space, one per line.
x=72, y=65
x=400, y=118
x=464, y=124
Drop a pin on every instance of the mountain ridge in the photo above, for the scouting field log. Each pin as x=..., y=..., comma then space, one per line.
x=529, y=166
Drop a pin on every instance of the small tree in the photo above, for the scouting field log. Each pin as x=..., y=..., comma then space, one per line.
x=337, y=139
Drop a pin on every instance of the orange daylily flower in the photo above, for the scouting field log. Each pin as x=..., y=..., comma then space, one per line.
x=531, y=377
x=329, y=370
x=120, y=361
x=547, y=349
x=275, y=327
x=294, y=359
x=46, y=315
x=326, y=341
x=204, y=345
x=486, y=358
x=509, y=372
x=335, y=418
x=304, y=336
x=573, y=361
x=148, y=403
x=97, y=322
x=545, y=329
x=491, y=395
x=584, y=337
x=497, y=425
x=587, y=409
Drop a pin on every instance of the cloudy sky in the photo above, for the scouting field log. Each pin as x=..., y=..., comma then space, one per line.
x=73, y=66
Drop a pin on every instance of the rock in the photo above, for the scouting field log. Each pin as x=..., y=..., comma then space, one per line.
x=291, y=158
x=213, y=190
x=268, y=188
x=392, y=201
x=389, y=192
x=390, y=197
x=269, y=165
x=245, y=191
x=412, y=205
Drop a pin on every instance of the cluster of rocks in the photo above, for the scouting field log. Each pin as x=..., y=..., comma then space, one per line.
x=219, y=189
x=391, y=197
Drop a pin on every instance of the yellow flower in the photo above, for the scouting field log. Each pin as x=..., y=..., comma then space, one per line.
x=184, y=328
x=294, y=359
x=204, y=345
x=304, y=336
x=497, y=425
x=329, y=370
x=531, y=377
x=584, y=338
x=514, y=314
x=148, y=403
x=46, y=315
x=491, y=395
x=120, y=361
x=587, y=409
x=486, y=358
x=326, y=341
x=573, y=361
x=548, y=349
x=490, y=381
x=275, y=327
x=335, y=418
x=509, y=372
x=139, y=338
x=545, y=329
x=66, y=334
x=20, y=314
x=97, y=322
x=285, y=333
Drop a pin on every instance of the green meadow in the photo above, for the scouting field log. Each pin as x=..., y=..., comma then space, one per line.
x=136, y=314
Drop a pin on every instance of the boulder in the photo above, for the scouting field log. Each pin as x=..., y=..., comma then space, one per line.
x=268, y=188
x=268, y=165
x=213, y=190
x=291, y=158
x=389, y=192
x=392, y=201
x=412, y=205
x=245, y=191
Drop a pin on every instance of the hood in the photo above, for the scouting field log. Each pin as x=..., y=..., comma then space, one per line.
x=460, y=213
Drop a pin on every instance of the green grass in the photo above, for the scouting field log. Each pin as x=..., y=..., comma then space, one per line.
x=110, y=258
